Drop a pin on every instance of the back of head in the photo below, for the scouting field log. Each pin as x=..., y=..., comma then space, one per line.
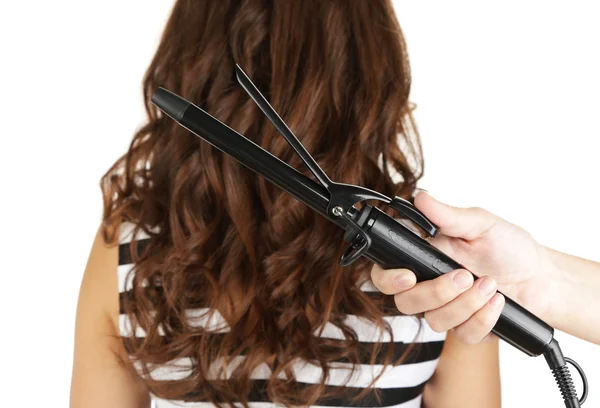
x=337, y=73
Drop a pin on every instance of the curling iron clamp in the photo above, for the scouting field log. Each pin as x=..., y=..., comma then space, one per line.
x=369, y=231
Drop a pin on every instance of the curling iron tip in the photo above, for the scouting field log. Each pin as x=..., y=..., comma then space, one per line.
x=170, y=103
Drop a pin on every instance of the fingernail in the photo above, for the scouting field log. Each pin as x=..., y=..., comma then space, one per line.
x=487, y=285
x=404, y=281
x=496, y=301
x=463, y=279
x=417, y=190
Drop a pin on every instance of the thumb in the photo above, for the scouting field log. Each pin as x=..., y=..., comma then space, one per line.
x=467, y=223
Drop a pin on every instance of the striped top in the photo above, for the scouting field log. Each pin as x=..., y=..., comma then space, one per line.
x=401, y=386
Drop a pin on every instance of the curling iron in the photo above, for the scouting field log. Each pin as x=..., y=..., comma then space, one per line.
x=369, y=231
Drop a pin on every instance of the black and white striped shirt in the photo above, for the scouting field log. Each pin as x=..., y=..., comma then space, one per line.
x=400, y=386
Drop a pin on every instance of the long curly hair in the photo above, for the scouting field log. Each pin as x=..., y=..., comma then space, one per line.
x=225, y=239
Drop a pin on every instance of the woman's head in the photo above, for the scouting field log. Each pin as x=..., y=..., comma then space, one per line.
x=337, y=72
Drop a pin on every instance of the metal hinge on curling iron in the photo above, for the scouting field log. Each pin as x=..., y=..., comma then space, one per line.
x=342, y=197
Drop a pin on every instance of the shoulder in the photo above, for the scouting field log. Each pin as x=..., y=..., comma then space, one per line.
x=98, y=294
x=106, y=273
x=99, y=377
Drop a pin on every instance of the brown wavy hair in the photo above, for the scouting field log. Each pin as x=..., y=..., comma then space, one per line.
x=338, y=73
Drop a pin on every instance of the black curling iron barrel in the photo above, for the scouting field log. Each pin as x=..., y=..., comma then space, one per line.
x=370, y=231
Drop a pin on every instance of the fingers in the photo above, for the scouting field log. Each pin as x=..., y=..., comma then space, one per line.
x=489, y=337
x=477, y=328
x=461, y=309
x=453, y=301
x=467, y=223
x=427, y=295
x=392, y=281
x=433, y=294
x=445, y=244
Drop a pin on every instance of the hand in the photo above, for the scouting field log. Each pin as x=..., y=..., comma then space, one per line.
x=513, y=261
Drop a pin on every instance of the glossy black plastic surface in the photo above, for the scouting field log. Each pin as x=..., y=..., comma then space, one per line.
x=409, y=211
x=247, y=153
x=395, y=246
x=392, y=246
x=340, y=194
x=170, y=103
x=372, y=233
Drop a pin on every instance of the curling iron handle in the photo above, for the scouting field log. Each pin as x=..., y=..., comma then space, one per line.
x=395, y=246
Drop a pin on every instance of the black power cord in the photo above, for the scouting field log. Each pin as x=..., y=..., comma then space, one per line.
x=558, y=365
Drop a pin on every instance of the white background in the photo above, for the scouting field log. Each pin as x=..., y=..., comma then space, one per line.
x=508, y=96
